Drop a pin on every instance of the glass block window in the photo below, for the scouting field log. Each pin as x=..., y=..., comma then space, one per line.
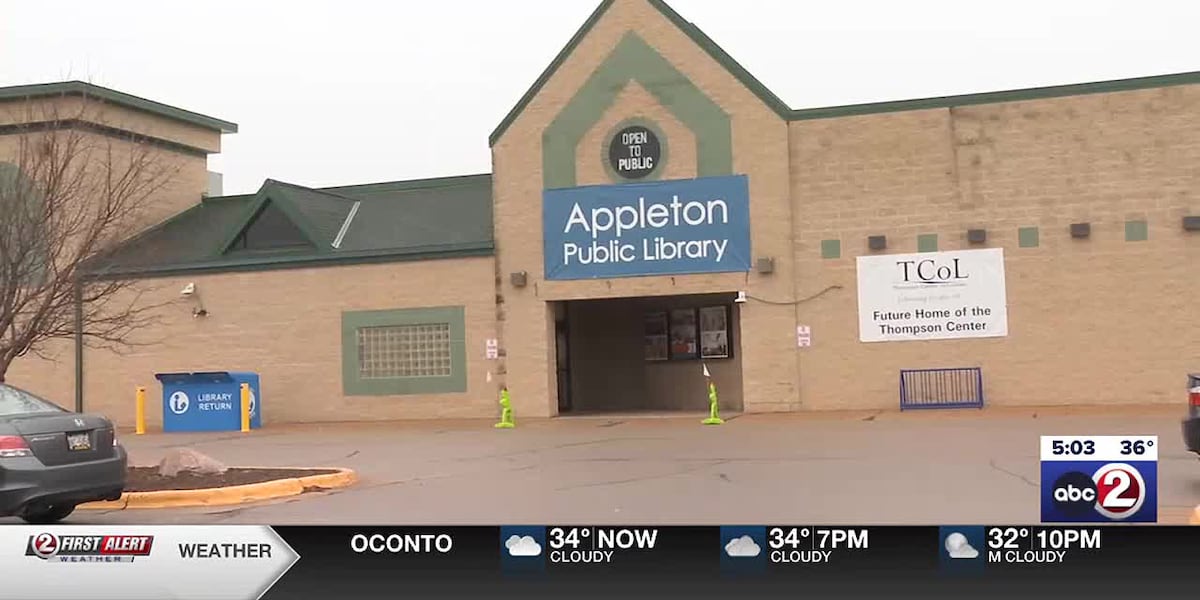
x=395, y=351
x=404, y=351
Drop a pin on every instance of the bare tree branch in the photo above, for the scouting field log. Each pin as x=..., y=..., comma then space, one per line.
x=68, y=199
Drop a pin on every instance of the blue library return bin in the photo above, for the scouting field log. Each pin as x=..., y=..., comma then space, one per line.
x=208, y=401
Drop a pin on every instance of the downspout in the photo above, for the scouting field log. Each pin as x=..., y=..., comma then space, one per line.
x=78, y=347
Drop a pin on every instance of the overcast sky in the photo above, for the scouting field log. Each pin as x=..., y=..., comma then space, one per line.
x=357, y=91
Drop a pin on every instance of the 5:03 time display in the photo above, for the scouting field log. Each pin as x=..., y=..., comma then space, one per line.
x=1074, y=447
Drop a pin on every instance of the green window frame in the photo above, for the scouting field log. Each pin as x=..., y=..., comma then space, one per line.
x=433, y=325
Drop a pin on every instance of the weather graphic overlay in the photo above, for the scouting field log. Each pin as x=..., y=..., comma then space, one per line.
x=960, y=549
x=743, y=550
x=1099, y=479
x=523, y=549
x=743, y=547
x=598, y=545
x=88, y=548
x=810, y=545
x=522, y=546
x=1019, y=546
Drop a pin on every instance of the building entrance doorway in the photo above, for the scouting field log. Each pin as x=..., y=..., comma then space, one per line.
x=647, y=354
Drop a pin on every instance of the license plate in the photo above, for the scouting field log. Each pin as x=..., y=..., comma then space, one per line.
x=79, y=441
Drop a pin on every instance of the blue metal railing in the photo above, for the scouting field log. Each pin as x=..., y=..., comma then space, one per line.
x=941, y=388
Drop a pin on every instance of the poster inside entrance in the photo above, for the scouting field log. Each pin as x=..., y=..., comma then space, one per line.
x=714, y=332
x=683, y=333
x=657, y=347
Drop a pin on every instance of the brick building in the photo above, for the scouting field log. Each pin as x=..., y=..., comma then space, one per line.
x=382, y=301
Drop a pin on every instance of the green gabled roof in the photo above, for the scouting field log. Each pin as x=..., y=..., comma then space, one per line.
x=424, y=212
x=784, y=111
x=193, y=235
x=80, y=88
x=405, y=220
x=318, y=215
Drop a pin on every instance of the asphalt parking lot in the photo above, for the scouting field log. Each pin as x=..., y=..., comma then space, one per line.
x=861, y=468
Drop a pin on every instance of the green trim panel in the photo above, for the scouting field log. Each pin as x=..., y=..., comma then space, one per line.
x=456, y=382
x=1028, y=237
x=634, y=59
x=1137, y=231
x=831, y=248
x=80, y=88
x=927, y=242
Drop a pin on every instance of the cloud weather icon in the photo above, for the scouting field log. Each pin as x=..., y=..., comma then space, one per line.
x=522, y=546
x=957, y=546
x=742, y=547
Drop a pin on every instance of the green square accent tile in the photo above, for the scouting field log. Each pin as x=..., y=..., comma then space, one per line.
x=927, y=242
x=1136, y=231
x=831, y=248
x=456, y=382
x=1028, y=237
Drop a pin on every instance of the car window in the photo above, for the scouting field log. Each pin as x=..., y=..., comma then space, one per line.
x=17, y=402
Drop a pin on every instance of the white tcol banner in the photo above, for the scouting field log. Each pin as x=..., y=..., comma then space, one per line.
x=932, y=296
x=176, y=562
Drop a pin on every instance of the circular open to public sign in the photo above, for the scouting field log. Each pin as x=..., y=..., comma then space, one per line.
x=634, y=152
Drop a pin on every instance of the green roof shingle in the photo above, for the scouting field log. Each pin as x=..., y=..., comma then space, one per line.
x=404, y=220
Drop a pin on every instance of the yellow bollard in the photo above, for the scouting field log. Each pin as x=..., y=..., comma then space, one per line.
x=141, y=411
x=245, y=408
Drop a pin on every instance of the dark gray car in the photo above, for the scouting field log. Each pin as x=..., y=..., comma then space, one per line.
x=52, y=459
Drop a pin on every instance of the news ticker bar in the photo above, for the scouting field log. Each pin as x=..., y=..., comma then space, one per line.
x=234, y=562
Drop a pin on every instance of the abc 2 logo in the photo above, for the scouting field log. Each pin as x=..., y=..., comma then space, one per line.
x=1099, y=492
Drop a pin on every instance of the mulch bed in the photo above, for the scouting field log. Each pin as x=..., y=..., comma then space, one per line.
x=147, y=479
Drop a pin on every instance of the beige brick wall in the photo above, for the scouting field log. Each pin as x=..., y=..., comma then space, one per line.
x=1090, y=321
x=286, y=325
x=188, y=173
x=760, y=140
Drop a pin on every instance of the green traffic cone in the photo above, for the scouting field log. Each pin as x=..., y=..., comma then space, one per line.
x=714, y=414
x=506, y=416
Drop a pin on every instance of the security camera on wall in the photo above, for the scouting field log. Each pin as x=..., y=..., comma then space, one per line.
x=741, y=298
x=188, y=290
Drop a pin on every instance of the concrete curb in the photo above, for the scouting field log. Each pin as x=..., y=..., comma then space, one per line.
x=226, y=496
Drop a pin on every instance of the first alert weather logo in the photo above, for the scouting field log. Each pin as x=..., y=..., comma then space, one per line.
x=88, y=548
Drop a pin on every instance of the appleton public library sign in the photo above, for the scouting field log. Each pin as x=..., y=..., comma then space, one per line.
x=654, y=228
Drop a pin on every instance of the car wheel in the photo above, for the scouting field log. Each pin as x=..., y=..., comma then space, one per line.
x=47, y=515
